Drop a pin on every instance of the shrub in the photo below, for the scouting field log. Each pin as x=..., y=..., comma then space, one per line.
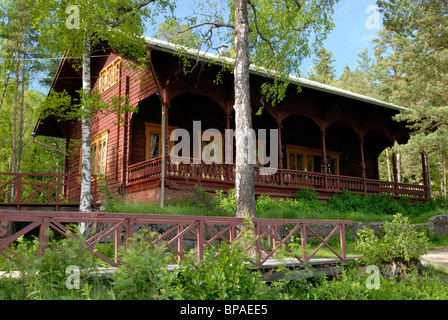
x=351, y=285
x=225, y=277
x=306, y=194
x=226, y=203
x=45, y=277
x=143, y=273
x=402, y=244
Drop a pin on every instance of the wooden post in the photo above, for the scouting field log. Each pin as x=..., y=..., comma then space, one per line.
x=200, y=239
x=324, y=160
x=117, y=244
x=363, y=166
x=180, y=243
x=395, y=170
x=43, y=236
x=130, y=230
x=280, y=152
x=425, y=173
x=303, y=241
x=342, y=240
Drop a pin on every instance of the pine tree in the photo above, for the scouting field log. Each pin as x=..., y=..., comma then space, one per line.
x=323, y=71
x=414, y=49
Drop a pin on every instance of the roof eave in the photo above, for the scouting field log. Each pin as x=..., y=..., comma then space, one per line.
x=218, y=59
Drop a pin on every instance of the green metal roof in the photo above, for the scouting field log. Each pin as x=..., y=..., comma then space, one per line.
x=216, y=59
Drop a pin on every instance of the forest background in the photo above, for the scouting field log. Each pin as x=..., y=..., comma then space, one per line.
x=408, y=67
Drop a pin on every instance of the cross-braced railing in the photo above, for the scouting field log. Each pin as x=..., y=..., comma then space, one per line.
x=43, y=188
x=270, y=236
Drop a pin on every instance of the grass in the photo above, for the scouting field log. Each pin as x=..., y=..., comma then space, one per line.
x=350, y=285
x=305, y=205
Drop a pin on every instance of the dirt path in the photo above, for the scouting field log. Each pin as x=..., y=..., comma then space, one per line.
x=438, y=258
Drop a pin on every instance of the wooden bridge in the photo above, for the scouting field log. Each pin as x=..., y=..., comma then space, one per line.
x=271, y=236
x=50, y=201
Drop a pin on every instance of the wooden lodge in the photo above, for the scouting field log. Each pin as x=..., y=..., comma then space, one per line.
x=328, y=139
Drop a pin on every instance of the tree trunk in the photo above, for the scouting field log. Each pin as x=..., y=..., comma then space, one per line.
x=14, y=113
x=5, y=86
x=22, y=98
x=388, y=165
x=244, y=178
x=444, y=172
x=85, y=198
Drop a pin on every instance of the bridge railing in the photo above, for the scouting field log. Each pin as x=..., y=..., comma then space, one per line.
x=43, y=188
x=271, y=236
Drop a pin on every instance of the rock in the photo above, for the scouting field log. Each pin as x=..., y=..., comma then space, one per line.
x=439, y=224
x=6, y=229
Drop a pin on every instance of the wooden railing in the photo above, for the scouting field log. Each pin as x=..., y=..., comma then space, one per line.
x=270, y=236
x=292, y=179
x=145, y=170
x=42, y=188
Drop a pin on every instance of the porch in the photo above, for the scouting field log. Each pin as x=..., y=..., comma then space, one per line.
x=43, y=191
x=279, y=183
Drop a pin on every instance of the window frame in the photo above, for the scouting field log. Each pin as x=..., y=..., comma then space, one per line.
x=105, y=83
x=100, y=161
x=310, y=152
x=157, y=129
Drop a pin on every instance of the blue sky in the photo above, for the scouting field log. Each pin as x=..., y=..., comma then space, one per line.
x=350, y=35
x=354, y=29
x=356, y=25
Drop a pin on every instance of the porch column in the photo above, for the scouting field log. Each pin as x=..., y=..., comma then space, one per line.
x=324, y=161
x=164, y=143
x=167, y=137
x=127, y=138
x=425, y=173
x=280, y=152
x=363, y=165
x=395, y=171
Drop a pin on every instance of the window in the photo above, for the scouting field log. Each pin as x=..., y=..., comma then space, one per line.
x=99, y=153
x=109, y=75
x=308, y=159
x=153, y=140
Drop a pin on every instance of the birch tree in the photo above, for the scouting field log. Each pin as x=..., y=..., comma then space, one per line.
x=76, y=27
x=273, y=36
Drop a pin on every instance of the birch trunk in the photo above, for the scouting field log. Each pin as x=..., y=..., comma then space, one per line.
x=388, y=165
x=85, y=198
x=244, y=175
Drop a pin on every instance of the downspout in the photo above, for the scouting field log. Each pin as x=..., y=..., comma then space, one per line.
x=162, y=135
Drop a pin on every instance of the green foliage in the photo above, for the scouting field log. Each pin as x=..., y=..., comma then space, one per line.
x=143, y=273
x=226, y=202
x=304, y=205
x=351, y=285
x=323, y=70
x=229, y=276
x=226, y=277
x=401, y=243
x=412, y=48
x=42, y=278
